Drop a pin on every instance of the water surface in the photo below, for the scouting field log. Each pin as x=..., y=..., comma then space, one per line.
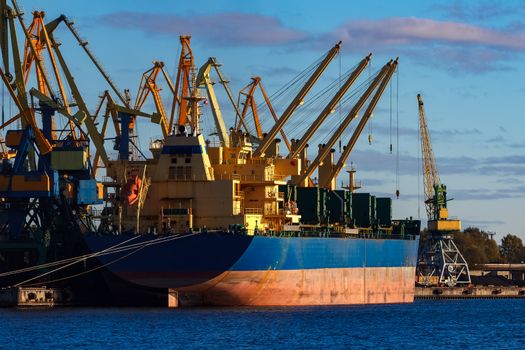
x=482, y=324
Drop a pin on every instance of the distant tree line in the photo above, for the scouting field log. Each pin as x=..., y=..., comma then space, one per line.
x=478, y=247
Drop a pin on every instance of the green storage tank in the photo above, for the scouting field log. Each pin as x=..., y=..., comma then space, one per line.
x=384, y=211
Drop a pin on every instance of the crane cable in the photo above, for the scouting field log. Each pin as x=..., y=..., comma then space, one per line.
x=397, y=132
x=339, y=103
x=419, y=166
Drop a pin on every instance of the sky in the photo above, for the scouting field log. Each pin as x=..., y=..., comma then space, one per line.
x=466, y=58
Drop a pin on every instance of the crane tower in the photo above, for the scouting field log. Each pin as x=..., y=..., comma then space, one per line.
x=440, y=261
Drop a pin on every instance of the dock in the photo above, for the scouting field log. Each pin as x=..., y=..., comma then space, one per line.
x=475, y=292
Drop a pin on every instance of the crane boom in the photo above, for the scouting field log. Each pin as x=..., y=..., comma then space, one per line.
x=182, y=83
x=203, y=79
x=337, y=134
x=250, y=103
x=93, y=132
x=329, y=107
x=296, y=101
x=430, y=171
x=148, y=84
x=359, y=129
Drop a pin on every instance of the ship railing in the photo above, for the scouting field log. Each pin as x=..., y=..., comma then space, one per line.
x=257, y=211
x=249, y=177
x=239, y=194
x=260, y=161
x=325, y=233
x=280, y=177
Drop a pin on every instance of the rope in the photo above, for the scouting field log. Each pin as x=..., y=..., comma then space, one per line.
x=109, y=263
x=110, y=250
x=138, y=247
x=72, y=263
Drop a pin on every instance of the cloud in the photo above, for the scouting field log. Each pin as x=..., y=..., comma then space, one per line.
x=231, y=29
x=481, y=10
x=455, y=46
x=403, y=31
x=487, y=194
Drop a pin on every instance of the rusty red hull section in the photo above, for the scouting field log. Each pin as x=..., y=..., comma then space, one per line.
x=338, y=286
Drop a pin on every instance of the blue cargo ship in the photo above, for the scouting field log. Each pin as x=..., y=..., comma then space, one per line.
x=220, y=268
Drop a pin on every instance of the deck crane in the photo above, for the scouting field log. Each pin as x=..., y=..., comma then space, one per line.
x=184, y=90
x=204, y=80
x=440, y=261
x=148, y=85
x=298, y=100
x=301, y=144
x=384, y=75
x=249, y=103
x=329, y=181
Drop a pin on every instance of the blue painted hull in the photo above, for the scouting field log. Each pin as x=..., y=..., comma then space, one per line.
x=224, y=262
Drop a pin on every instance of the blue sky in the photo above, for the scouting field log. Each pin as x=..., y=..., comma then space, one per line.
x=465, y=57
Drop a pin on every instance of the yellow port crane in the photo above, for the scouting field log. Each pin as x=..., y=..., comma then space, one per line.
x=204, y=80
x=297, y=101
x=184, y=90
x=249, y=103
x=440, y=261
x=329, y=172
x=149, y=85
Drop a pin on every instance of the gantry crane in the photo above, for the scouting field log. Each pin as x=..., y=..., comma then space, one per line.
x=440, y=261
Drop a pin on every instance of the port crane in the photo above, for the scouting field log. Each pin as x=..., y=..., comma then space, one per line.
x=149, y=85
x=249, y=103
x=204, y=80
x=184, y=89
x=440, y=261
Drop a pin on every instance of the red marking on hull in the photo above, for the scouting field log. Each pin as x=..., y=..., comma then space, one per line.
x=342, y=286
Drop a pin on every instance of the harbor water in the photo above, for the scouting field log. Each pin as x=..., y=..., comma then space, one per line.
x=481, y=324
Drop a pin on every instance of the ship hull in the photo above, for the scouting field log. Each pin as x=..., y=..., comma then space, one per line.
x=224, y=269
